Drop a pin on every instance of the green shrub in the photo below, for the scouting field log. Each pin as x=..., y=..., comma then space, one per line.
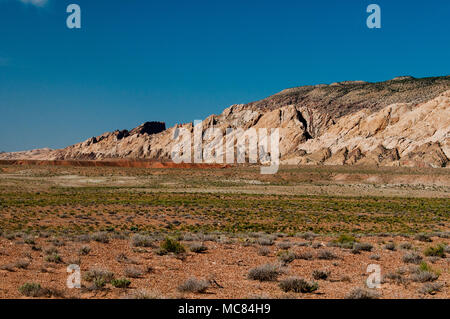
x=98, y=275
x=121, y=283
x=296, y=284
x=170, y=245
x=53, y=258
x=33, y=290
x=345, y=239
x=437, y=251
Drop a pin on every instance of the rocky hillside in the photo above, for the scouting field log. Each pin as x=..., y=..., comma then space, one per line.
x=404, y=121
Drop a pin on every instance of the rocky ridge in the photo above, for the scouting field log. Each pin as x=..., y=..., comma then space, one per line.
x=401, y=122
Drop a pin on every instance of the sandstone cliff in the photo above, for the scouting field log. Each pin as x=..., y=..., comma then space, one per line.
x=404, y=122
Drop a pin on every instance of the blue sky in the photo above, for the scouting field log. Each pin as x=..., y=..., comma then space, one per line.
x=177, y=61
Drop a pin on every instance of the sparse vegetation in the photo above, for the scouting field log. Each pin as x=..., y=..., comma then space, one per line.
x=286, y=256
x=412, y=258
x=298, y=285
x=100, y=276
x=33, y=290
x=431, y=288
x=133, y=272
x=170, y=245
x=267, y=272
x=326, y=255
x=101, y=237
x=437, y=251
x=142, y=241
x=320, y=274
x=121, y=283
x=194, y=285
x=362, y=293
x=263, y=251
x=85, y=250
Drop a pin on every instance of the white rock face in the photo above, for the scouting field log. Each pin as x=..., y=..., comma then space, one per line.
x=344, y=124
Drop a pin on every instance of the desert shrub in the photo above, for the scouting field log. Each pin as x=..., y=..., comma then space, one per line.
x=296, y=284
x=123, y=258
x=263, y=251
x=405, y=246
x=101, y=237
x=320, y=274
x=33, y=290
x=143, y=294
x=85, y=250
x=85, y=238
x=431, y=288
x=364, y=246
x=412, y=258
x=395, y=277
x=139, y=240
x=423, y=237
x=194, y=285
x=284, y=245
x=390, y=246
x=306, y=255
x=121, y=283
x=57, y=242
x=375, y=257
x=306, y=235
x=133, y=272
x=8, y=267
x=286, y=256
x=51, y=250
x=29, y=240
x=198, y=248
x=358, y=247
x=97, y=284
x=437, y=251
x=267, y=272
x=170, y=245
x=22, y=264
x=424, y=276
x=53, y=258
x=345, y=241
x=326, y=255
x=190, y=237
x=424, y=267
x=265, y=241
x=316, y=245
x=99, y=275
x=362, y=293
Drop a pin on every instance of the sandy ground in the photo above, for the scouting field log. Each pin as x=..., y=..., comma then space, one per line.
x=227, y=263
x=46, y=195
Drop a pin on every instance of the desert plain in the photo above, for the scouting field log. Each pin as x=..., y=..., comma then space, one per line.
x=224, y=232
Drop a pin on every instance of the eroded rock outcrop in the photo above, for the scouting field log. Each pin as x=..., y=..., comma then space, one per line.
x=404, y=121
